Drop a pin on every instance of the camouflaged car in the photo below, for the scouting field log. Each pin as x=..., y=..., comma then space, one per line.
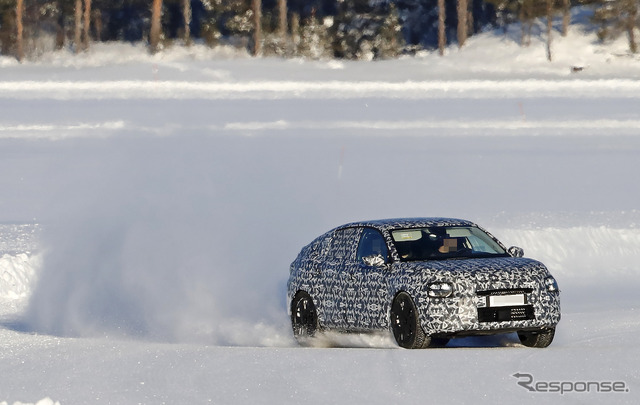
x=425, y=279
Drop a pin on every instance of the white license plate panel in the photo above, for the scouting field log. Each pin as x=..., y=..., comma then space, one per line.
x=506, y=300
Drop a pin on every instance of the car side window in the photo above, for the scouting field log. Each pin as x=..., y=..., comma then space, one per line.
x=372, y=243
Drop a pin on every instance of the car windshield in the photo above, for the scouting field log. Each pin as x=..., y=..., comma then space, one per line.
x=446, y=242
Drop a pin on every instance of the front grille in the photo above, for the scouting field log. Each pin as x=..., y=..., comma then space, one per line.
x=505, y=314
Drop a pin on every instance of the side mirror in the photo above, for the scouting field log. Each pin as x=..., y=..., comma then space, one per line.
x=515, y=251
x=374, y=260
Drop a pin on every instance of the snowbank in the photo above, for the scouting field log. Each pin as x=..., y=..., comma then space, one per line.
x=583, y=254
x=596, y=267
x=266, y=90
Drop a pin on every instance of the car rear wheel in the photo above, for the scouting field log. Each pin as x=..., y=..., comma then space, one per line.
x=541, y=338
x=405, y=323
x=304, y=318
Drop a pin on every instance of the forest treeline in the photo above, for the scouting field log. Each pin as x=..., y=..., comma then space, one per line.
x=349, y=29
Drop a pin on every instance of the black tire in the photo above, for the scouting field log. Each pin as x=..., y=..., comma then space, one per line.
x=540, y=338
x=304, y=318
x=405, y=323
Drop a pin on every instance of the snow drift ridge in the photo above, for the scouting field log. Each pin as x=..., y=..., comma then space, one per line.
x=481, y=89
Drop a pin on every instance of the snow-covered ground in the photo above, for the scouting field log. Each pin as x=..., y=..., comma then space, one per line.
x=151, y=206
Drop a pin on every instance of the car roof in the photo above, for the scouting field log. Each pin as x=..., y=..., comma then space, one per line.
x=399, y=223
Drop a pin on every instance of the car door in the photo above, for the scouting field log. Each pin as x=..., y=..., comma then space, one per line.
x=338, y=287
x=366, y=307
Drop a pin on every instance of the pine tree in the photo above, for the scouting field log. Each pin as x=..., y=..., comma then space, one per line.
x=156, y=28
x=239, y=20
x=78, y=26
x=549, y=28
x=97, y=23
x=282, y=20
x=566, y=16
x=525, y=12
x=315, y=42
x=20, y=30
x=295, y=30
x=275, y=26
x=632, y=23
x=59, y=21
x=442, y=37
x=463, y=11
x=366, y=30
x=87, y=24
x=187, y=15
x=616, y=17
x=389, y=41
x=210, y=30
x=256, y=7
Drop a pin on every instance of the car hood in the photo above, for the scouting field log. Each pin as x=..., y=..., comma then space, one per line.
x=480, y=274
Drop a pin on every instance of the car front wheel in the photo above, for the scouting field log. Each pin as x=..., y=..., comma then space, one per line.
x=405, y=323
x=540, y=338
x=304, y=318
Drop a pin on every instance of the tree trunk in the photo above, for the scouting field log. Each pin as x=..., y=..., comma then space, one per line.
x=632, y=15
x=521, y=16
x=156, y=16
x=60, y=37
x=462, y=22
x=442, y=39
x=77, y=42
x=282, y=20
x=527, y=13
x=295, y=31
x=20, y=29
x=566, y=16
x=97, y=24
x=187, y=21
x=256, y=6
x=87, y=24
x=549, y=28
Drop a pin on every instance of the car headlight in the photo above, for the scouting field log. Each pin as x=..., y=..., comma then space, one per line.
x=439, y=290
x=551, y=284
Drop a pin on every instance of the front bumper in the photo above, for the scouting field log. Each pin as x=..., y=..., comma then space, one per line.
x=473, y=313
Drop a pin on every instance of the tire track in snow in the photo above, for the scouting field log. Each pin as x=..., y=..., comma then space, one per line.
x=59, y=131
x=256, y=90
x=514, y=127
x=622, y=126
